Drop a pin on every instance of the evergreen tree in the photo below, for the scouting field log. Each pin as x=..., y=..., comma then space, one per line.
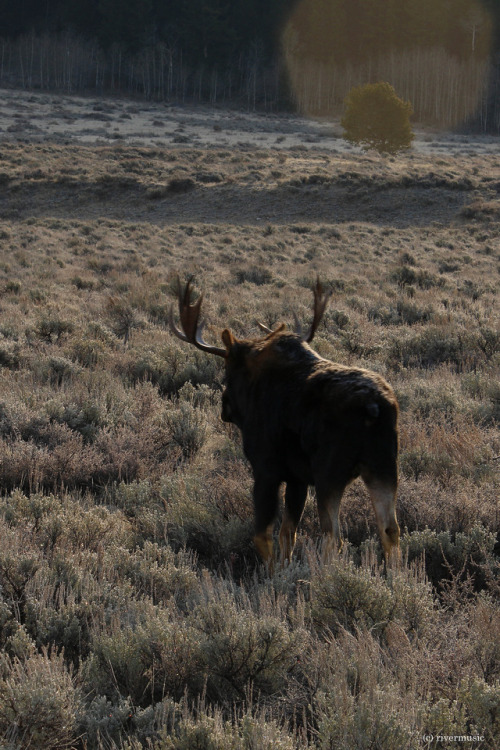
x=82, y=17
x=125, y=22
x=375, y=117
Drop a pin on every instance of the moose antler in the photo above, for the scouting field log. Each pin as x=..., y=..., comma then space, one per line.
x=189, y=315
x=269, y=331
x=320, y=302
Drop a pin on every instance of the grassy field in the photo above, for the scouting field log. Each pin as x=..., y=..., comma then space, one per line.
x=133, y=610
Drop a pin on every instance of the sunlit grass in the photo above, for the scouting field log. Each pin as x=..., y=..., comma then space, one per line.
x=129, y=584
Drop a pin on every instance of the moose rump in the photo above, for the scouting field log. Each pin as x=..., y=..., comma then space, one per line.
x=305, y=421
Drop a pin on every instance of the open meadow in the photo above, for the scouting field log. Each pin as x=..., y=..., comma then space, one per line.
x=133, y=609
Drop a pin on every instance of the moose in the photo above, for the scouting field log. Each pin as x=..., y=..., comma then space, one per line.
x=304, y=421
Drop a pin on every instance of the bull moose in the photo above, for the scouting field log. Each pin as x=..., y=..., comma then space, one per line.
x=304, y=421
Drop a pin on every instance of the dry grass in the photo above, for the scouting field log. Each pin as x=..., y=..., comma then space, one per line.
x=126, y=511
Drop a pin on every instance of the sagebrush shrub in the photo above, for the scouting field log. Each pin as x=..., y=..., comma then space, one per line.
x=88, y=352
x=482, y=703
x=53, y=328
x=156, y=657
x=345, y=596
x=446, y=553
x=188, y=428
x=140, y=562
x=209, y=731
x=104, y=723
x=241, y=648
x=436, y=345
x=38, y=702
x=372, y=719
x=212, y=518
x=158, y=572
x=444, y=717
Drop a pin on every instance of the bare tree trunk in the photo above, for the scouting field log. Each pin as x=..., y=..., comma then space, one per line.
x=22, y=66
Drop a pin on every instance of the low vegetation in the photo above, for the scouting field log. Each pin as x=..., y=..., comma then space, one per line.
x=133, y=609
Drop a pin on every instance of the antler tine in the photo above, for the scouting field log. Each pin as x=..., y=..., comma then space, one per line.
x=264, y=328
x=189, y=315
x=320, y=302
x=180, y=335
x=269, y=331
x=298, y=325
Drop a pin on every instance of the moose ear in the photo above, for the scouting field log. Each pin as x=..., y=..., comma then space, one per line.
x=227, y=338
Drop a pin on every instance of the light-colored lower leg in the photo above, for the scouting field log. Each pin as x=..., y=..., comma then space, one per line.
x=295, y=499
x=383, y=497
x=264, y=544
x=328, y=508
x=288, y=536
x=330, y=546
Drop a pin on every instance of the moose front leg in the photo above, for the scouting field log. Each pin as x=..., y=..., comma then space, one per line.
x=265, y=497
x=295, y=499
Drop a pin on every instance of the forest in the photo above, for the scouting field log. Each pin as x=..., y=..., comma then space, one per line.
x=267, y=55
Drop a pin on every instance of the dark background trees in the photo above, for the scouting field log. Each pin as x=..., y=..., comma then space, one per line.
x=358, y=29
x=218, y=50
x=206, y=29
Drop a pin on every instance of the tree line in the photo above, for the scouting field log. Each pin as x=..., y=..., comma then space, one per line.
x=266, y=53
x=213, y=31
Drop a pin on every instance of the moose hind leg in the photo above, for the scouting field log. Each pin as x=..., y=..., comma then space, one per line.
x=265, y=495
x=328, y=499
x=383, y=497
x=295, y=499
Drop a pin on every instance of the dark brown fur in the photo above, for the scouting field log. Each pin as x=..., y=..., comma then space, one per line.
x=305, y=421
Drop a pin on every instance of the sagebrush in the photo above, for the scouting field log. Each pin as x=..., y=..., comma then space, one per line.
x=129, y=586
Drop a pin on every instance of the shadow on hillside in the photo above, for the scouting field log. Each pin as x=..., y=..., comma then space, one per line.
x=397, y=204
